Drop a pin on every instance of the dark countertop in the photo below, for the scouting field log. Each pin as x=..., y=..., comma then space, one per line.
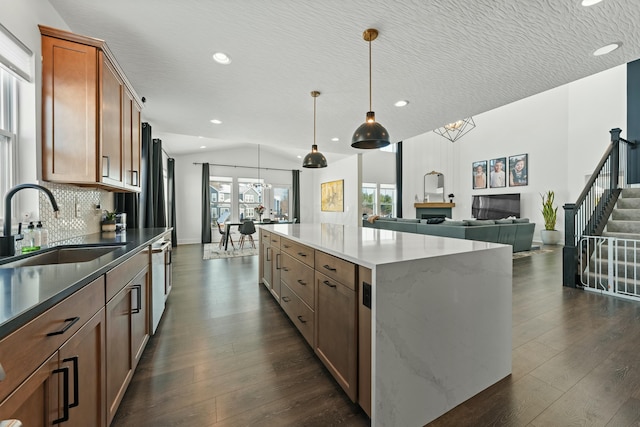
x=26, y=292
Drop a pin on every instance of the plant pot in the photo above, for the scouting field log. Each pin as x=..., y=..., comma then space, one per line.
x=551, y=237
x=109, y=225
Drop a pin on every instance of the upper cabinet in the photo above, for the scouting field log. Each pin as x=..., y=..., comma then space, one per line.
x=91, y=125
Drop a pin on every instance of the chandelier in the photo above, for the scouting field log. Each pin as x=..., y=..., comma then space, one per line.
x=456, y=130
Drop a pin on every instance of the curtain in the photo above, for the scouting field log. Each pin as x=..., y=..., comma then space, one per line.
x=295, y=184
x=129, y=203
x=206, y=205
x=171, y=200
x=399, y=179
x=159, y=216
x=146, y=183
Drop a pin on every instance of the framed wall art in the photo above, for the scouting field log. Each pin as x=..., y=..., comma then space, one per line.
x=332, y=194
x=518, y=170
x=479, y=174
x=498, y=172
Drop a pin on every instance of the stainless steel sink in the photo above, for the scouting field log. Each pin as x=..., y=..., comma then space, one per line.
x=63, y=255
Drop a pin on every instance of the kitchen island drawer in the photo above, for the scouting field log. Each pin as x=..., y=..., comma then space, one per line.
x=299, y=313
x=298, y=277
x=119, y=276
x=24, y=350
x=300, y=252
x=337, y=269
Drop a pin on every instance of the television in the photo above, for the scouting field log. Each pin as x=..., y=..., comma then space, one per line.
x=495, y=206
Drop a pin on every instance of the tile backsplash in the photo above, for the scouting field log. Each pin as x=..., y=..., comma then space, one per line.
x=71, y=222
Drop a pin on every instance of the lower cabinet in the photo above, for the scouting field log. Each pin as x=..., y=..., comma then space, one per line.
x=336, y=333
x=126, y=335
x=68, y=388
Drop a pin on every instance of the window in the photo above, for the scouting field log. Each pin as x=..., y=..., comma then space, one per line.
x=220, y=189
x=249, y=197
x=280, y=206
x=379, y=199
x=8, y=126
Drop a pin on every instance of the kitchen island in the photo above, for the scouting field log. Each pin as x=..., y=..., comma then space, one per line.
x=440, y=312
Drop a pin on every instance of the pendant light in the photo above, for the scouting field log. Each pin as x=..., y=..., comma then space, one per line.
x=370, y=134
x=314, y=159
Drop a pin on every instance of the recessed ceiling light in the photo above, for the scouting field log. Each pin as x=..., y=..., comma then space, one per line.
x=335, y=139
x=216, y=121
x=299, y=157
x=203, y=146
x=222, y=58
x=401, y=103
x=607, y=49
x=587, y=3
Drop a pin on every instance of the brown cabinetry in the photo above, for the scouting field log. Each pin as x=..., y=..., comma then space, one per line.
x=127, y=326
x=271, y=262
x=90, y=114
x=69, y=337
x=364, y=339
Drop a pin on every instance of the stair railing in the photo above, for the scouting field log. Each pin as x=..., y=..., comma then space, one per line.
x=588, y=215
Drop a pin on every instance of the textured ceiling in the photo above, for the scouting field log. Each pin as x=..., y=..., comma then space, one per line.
x=449, y=58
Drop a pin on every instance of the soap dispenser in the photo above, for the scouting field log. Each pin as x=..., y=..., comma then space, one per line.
x=44, y=234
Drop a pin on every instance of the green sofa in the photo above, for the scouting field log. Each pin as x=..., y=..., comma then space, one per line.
x=518, y=233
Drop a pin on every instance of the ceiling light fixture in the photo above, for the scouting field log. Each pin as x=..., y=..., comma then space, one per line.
x=336, y=139
x=607, y=49
x=222, y=58
x=259, y=184
x=587, y=3
x=370, y=134
x=456, y=130
x=216, y=122
x=314, y=159
x=402, y=103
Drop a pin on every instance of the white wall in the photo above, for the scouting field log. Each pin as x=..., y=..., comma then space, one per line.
x=564, y=131
x=22, y=19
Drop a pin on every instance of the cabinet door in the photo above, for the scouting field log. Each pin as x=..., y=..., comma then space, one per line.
x=276, y=265
x=136, y=145
x=140, y=327
x=84, y=356
x=267, y=262
x=118, y=346
x=35, y=401
x=132, y=142
x=336, y=341
x=111, y=124
x=69, y=114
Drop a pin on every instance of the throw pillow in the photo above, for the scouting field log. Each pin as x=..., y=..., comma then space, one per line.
x=521, y=220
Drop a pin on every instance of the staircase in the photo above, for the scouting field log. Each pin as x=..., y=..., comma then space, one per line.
x=614, y=264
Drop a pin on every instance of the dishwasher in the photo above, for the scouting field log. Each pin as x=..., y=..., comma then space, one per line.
x=160, y=269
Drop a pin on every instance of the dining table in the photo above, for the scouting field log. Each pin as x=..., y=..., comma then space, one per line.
x=228, y=225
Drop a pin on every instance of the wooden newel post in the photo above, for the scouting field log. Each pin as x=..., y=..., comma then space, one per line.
x=570, y=249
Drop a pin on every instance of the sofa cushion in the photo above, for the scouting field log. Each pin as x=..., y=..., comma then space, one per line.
x=479, y=222
x=521, y=220
x=411, y=220
x=504, y=221
x=452, y=222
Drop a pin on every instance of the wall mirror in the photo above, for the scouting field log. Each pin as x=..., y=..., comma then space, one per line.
x=433, y=187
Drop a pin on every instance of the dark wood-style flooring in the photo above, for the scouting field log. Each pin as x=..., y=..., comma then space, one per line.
x=226, y=355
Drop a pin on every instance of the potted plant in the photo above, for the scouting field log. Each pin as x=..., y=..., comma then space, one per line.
x=108, y=221
x=549, y=236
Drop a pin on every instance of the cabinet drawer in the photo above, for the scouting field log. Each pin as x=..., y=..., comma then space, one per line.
x=25, y=349
x=337, y=269
x=299, y=278
x=299, y=313
x=265, y=237
x=274, y=240
x=300, y=252
x=118, y=277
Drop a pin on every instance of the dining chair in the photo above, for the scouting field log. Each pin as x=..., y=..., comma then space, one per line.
x=223, y=237
x=247, y=229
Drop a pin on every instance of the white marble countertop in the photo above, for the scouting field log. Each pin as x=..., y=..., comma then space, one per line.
x=370, y=247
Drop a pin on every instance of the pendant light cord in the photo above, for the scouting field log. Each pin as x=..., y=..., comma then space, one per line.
x=314, y=120
x=370, y=108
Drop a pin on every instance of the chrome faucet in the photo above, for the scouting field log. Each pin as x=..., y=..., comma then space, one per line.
x=8, y=241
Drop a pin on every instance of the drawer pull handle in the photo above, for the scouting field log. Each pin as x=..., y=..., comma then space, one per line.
x=285, y=268
x=286, y=299
x=302, y=283
x=328, y=283
x=65, y=398
x=301, y=319
x=138, y=299
x=328, y=267
x=268, y=259
x=70, y=322
x=302, y=254
x=277, y=262
x=76, y=382
x=274, y=241
x=287, y=246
